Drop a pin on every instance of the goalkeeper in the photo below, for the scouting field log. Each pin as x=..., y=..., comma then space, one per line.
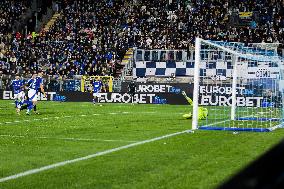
x=202, y=112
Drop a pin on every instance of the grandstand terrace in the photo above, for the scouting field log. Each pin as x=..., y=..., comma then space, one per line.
x=92, y=38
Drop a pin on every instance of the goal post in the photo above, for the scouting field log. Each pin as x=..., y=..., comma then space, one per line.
x=239, y=85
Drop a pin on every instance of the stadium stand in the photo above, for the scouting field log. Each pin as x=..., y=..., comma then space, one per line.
x=10, y=11
x=92, y=38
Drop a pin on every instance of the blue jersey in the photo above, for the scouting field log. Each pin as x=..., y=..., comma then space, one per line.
x=97, y=85
x=17, y=86
x=35, y=83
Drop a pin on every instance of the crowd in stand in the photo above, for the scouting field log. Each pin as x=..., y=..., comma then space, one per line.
x=177, y=26
x=90, y=38
x=10, y=11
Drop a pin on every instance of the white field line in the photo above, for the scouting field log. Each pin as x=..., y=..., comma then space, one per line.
x=82, y=115
x=41, y=119
x=64, y=138
x=63, y=163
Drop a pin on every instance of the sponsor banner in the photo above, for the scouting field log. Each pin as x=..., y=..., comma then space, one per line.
x=209, y=95
x=263, y=73
x=142, y=98
x=74, y=96
x=54, y=96
x=212, y=95
x=175, y=88
x=8, y=95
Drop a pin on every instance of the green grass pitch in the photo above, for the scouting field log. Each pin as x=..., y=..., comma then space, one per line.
x=66, y=131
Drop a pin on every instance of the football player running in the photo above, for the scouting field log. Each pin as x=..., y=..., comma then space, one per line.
x=19, y=94
x=34, y=84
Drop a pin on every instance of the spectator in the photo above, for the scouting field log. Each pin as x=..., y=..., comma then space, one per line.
x=92, y=38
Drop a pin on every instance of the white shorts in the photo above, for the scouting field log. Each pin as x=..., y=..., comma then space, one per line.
x=20, y=96
x=32, y=94
x=16, y=96
x=98, y=95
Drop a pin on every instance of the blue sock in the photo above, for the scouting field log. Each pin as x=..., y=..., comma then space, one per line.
x=30, y=106
x=19, y=104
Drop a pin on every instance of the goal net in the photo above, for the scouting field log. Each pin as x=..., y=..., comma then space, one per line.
x=239, y=86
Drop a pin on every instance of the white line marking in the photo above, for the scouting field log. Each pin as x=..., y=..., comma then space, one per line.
x=59, y=164
x=68, y=116
x=73, y=139
x=12, y=136
x=88, y=139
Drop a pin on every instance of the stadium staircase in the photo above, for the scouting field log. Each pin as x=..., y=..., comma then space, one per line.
x=51, y=21
x=126, y=69
x=125, y=61
x=128, y=55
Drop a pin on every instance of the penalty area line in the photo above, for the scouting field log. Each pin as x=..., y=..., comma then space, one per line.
x=63, y=163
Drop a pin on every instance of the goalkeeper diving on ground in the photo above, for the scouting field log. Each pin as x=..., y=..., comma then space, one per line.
x=202, y=112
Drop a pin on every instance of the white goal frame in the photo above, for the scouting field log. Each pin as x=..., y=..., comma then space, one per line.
x=235, y=55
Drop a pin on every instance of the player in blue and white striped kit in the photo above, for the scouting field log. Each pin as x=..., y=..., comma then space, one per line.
x=34, y=84
x=19, y=94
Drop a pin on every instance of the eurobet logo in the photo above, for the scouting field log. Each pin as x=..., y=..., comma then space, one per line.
x=158, y=89
x=126, y=98
x=8, y=95
x=59, y=98
x=158, y=100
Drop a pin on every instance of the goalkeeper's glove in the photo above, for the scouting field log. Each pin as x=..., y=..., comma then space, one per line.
x=187, y=98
